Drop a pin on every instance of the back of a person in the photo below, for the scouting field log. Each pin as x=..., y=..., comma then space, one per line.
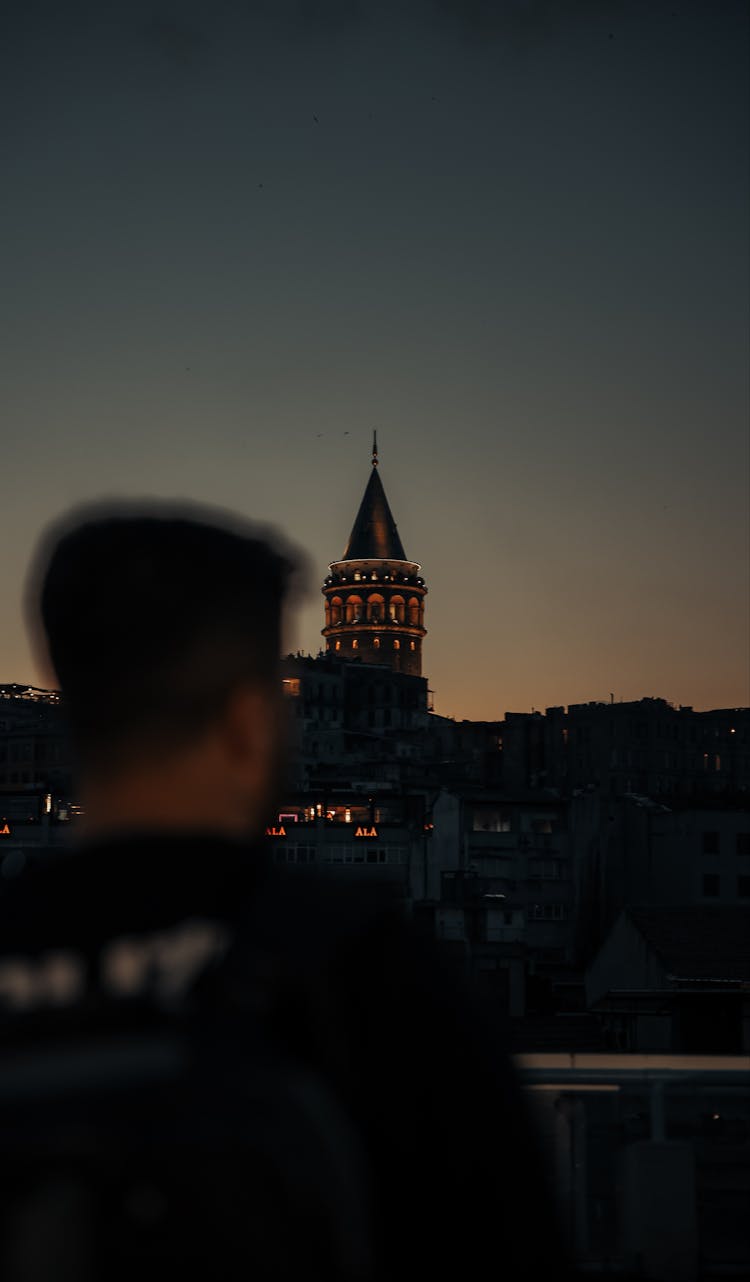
x=210, y=1062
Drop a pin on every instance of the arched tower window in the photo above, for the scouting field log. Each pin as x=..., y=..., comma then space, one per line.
x=396, y=609
x=413, y=612
x=336, y=610
x=354, y=609
x=375, y=608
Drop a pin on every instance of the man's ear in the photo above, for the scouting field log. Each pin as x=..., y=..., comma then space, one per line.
x=251, y=724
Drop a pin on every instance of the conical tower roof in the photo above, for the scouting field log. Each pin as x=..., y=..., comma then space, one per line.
x=374, y=534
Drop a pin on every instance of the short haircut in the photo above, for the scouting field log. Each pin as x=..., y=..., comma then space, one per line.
x=151, y=616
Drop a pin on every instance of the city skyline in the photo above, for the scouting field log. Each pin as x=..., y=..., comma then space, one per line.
x=238, y=241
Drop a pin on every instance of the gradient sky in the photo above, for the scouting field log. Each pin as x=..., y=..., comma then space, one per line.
x=514, y=241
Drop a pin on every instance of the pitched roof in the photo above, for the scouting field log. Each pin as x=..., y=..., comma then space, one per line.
x=374, y=534
x=698, y=943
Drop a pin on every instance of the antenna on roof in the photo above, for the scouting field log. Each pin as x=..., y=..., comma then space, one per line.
x=375, y=448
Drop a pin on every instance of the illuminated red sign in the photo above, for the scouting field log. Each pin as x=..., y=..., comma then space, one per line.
x=366, y=832
x=276, y=832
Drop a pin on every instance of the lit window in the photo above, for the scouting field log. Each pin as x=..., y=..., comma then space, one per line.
x=397, y=645
x=338, y=645
x=355, y=644
x=291, y=686
x=376, y=643
x=491, y=819
x=412, y=645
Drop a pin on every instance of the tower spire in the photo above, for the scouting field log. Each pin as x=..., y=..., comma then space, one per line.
x=375, y=448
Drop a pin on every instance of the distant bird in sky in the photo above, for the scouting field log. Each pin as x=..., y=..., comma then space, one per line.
x=260, y=184
x=315, y=118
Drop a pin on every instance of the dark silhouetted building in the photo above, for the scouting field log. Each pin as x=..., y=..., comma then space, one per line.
x=675, y=979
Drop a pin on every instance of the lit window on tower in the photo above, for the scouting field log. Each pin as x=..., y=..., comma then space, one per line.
x=397, y=645
x=355, y=644
x=376, y=643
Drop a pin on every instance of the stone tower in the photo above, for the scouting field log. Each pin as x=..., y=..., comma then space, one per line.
x=374, y=596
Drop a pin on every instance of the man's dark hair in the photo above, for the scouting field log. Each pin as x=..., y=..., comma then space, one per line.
x=152, y=616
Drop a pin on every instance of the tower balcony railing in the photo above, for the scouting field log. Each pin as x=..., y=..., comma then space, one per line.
x=395, y=574
x=360, y=621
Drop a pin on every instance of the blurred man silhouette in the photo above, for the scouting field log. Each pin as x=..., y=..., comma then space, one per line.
x=229, y=1066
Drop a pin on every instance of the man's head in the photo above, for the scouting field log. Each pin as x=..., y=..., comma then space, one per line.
x=163, y=626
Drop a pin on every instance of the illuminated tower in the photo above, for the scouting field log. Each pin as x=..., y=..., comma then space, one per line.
x=374, y=595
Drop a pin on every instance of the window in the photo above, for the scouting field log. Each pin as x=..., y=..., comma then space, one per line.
x=338, y=645
x=397, y=645
x=491, y=819
x=743, y=886
x=743, y=843
x=711, y=882
x=542, y=824
x=376, y=643
x=710, y=843
x=412, y=645
x=355, y=644
x=294, y=855
x=291, y=686
x=546, y=869
x=361, y=855
x=548, y=912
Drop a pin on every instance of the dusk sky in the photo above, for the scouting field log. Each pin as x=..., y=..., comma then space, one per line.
x=510, y=236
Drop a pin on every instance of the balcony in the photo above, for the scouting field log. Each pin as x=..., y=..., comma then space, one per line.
x=650, y=1154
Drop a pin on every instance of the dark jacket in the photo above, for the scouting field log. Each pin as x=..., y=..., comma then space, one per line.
x=145, y=932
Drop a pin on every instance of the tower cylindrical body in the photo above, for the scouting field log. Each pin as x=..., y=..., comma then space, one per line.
x=374, y=611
